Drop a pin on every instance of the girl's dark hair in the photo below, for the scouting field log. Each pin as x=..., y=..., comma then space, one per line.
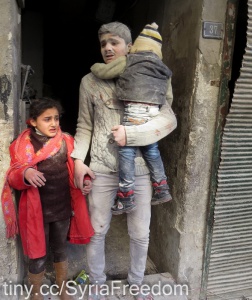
x=39, y=105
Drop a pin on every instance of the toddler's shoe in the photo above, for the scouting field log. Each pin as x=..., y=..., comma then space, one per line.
x=124, y=203
x=161, y=193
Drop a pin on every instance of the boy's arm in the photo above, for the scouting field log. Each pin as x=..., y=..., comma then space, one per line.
x=82, y=138
x=109, y=71
x=84, y=129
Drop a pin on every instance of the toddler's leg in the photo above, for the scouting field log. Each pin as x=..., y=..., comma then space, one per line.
x=154, y=161
x=124, y=201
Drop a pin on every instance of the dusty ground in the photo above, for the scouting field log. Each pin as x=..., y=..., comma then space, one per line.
x=117, y=259
x=117, y=254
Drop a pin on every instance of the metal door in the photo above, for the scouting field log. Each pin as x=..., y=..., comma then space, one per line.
x=229, y=251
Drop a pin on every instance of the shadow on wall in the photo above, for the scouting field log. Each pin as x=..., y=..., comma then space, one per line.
x=70, y=45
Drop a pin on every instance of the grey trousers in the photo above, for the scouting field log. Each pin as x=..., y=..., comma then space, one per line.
x=101, y=199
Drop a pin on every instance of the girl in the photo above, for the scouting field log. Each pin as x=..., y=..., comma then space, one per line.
x=51, y=208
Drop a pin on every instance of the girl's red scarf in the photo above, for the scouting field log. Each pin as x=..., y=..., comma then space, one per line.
x=30, y=210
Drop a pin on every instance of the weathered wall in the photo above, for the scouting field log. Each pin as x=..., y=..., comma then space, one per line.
x=178, y=228
x=9, y=123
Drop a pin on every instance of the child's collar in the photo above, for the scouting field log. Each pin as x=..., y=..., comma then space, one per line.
x=39, y=132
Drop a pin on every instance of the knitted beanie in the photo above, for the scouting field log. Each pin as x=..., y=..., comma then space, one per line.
x=148, y=40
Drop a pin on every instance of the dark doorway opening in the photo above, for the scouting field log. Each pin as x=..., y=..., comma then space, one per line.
x=60, y=42
x=240, y=44
x=70, y=45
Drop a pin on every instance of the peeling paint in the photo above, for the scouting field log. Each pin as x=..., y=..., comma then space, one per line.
x=231, y=10
x=215, y=83
x=5, y=90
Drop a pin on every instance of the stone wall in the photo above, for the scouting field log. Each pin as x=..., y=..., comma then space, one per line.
x=9, y=125
x=178, y=228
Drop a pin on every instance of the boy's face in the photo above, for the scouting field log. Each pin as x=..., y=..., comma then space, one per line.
x=112, y=47
x=48, y=122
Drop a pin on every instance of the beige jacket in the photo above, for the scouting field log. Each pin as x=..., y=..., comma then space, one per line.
x=99, y=111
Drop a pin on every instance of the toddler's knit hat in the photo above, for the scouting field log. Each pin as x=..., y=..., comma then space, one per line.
x=148, y=40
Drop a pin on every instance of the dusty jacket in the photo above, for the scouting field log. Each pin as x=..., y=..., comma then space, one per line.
x=142, y=77
x=99, y=111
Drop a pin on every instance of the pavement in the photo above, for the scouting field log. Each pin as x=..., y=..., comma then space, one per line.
x=161, y=285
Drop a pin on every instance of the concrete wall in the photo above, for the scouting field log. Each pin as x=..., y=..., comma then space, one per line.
x=178, y=228
x=9, y=123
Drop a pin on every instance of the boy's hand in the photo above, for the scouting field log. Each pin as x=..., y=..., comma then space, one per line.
x=119, y=134
x=80, y=170
x=34, y=177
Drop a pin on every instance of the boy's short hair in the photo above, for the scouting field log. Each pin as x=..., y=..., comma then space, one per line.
x=116, y=28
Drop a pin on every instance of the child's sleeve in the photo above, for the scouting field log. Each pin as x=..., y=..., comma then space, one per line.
x=17, y=180
x=111, y=70
x=16, y=175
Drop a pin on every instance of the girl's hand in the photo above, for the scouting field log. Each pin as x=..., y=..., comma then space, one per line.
x=34, y=177
x=119, y=134
x=87, y=187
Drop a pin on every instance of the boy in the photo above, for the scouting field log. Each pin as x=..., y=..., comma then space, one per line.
x=142, y=84
x=99, y=111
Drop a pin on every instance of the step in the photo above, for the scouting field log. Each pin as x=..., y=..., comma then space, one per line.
x=162, y=286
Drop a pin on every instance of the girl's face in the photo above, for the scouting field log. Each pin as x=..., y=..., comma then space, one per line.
x=48, y=122
x=112, y=47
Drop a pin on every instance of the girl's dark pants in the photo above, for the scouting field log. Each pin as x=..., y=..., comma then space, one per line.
x=56, y=239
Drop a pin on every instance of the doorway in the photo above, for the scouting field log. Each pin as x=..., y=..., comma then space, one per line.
x=60, y=43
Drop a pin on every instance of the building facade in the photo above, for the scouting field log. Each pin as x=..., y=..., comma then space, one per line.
x=203, y=236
